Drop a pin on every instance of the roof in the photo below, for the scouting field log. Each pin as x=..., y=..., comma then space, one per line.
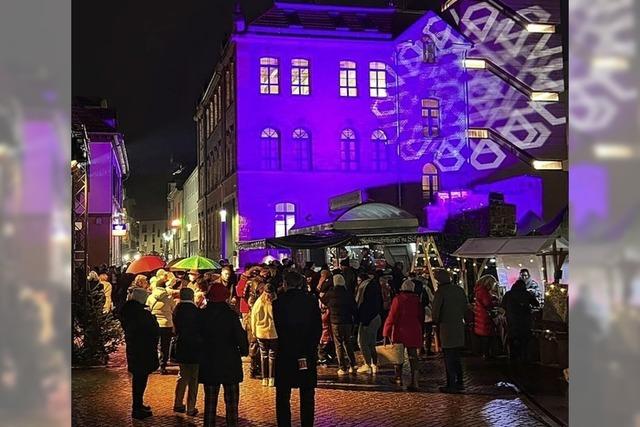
x=488, y=247
x=343, y=21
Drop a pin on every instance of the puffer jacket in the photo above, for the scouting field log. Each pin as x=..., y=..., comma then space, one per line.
x=262, y=323
x=161, y=305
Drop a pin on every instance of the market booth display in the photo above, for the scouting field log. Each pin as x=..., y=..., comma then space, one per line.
x=540, y=255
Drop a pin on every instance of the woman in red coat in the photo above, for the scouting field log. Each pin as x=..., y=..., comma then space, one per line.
x=404, y=326
x=483, y=324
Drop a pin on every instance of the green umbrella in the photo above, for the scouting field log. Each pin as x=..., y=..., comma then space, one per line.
x=196, y=262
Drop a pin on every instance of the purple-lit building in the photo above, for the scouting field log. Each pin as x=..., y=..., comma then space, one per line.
x=430, y=111
x=109, y=167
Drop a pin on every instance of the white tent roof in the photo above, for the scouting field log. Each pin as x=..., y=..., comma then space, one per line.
x=376, y=216
x=487, y=247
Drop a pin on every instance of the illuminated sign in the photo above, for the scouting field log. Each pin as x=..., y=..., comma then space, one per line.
x=118, y=229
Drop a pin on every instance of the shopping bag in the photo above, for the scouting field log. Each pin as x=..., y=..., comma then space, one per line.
x=390, y=354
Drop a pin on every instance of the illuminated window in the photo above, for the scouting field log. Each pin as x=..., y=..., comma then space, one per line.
x=377, y=80
x=216, y=111
x=428, y=50
x=348, y=150
x=269, y=76
x=380, y=150
x=348, y=85
x=431, y=117
x=430, y=183
x=227, y=88
x=270, y=148
x=285, y=218
x=302, y=149
x=232, y=85
x=300, y=77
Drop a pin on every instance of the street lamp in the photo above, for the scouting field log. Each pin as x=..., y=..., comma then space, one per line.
x=167, y=236
x=189, y=239
x=223, y=231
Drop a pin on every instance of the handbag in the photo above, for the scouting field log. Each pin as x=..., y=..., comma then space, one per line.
x=390, y=354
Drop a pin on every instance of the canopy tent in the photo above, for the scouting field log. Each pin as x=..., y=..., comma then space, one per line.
x=487, y=247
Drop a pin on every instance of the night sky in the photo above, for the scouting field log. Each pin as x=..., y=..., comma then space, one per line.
x=152, y=60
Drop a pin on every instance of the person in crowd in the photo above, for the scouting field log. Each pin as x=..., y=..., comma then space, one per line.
x=343, y=315
x=297, y=318
x=350, y=276
x=140, y=281
x=253, y=293
x=242, y=295
x=483, y=326
x=532, y=286
x=428, y=295
x=369, y=301
x=387, y=294
x=227, y=280
x=187, y=352
x=398, y=277
x=93, y=280
x=224, y=342
x=367, y=263
x=193, y=277
x=264, y=329
x=326, y=348
x=517, y=303
x=325, y=282
x=448, y=311
x=404, y=326
x=107, y=289
x=199, y=296
x=161, y=306
x=141, y=334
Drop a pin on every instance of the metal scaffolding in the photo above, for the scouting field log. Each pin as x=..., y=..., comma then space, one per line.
x=79, y=214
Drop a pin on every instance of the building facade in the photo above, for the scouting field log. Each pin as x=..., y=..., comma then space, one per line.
x=151, y=237
x=175, y=219
x=190, y=226
x=431, y=111
x=108, y=169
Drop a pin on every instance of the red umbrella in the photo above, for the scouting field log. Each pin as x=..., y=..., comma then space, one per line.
x=145, y=264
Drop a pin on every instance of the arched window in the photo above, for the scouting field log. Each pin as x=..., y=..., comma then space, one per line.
x=349, y=157
x=270, y=149
x=302, y=149
x=377, y=79
x=348, y=84
x=430, y=184
x=285, y=218
x=380, y=150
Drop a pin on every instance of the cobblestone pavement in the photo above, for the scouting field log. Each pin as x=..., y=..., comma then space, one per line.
x=101, y=397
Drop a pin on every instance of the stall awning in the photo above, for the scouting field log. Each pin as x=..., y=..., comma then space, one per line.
x=317, y=240
x=487, y=247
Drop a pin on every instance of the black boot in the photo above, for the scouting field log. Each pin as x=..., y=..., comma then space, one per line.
x=413, y=363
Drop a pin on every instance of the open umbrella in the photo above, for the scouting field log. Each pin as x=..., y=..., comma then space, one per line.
x=145, y=264
x=174, y=262
x=196, y=262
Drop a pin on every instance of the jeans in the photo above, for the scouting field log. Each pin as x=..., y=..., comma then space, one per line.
x=453, y=366
x=367, y=336
x=283, y=406
x=188, y=376
x=344, y=344
x=138, y=385
x=165, y=340
x=268, y=349
x=231, y=401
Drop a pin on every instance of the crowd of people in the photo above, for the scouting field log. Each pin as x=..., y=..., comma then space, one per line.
x=288, y=320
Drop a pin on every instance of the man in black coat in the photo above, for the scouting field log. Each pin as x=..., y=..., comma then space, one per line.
x=296, y=315
x=187, y=351
x=517, y=303
x=141, y=332
x=350, y=275
x=343, y=314
x=224, y=342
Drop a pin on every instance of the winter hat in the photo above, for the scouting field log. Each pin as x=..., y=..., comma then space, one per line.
x=408, y=286
x=217, y=293
x=442, y=276
x=338, y=280
x=161, y=273
x=186, y=294
x=139, y=294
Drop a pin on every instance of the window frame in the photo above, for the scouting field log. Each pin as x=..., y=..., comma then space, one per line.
x=431, y=118
x=269, y=76
x=349, y=151
x=302, y=149
x=284, y=218
x=430, y=182
x=378, y=80
x=270, y=144
x=380, y=150
x=348, y=79
x=300, y=66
